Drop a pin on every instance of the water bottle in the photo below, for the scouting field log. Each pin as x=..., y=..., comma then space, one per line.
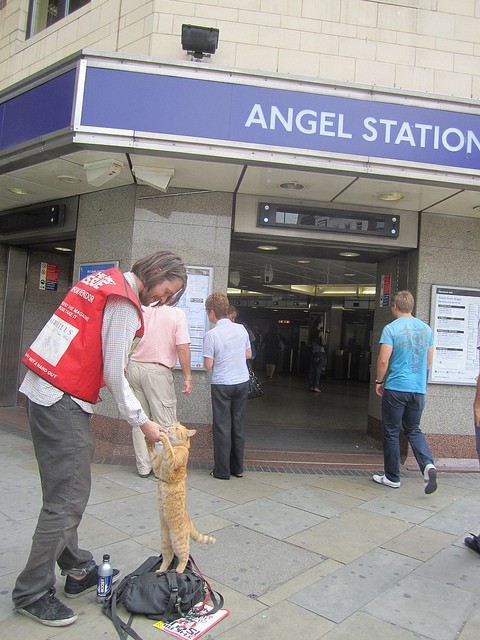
x=104, y=579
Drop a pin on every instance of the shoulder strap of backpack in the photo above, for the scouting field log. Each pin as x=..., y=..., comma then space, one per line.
x=215, y=597
x=109, y=608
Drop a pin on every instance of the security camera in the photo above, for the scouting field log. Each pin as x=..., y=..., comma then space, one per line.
x=101, y=171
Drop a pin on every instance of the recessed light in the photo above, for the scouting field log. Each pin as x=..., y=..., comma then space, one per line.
x=257, y=277
x=18, y=191
x=303, y=261
x=348, y=274
x=349, y=254
x=69, y=179
x=391, y=196
x=65, y=249
x=291, y=186
x=267, y=247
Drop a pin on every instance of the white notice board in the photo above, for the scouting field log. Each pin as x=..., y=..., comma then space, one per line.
x=454, y=318
x=199, y=287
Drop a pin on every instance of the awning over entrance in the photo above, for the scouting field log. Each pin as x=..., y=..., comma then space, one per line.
x=148, y=106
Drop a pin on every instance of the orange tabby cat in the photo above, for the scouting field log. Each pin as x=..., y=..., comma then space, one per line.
x=170, y=467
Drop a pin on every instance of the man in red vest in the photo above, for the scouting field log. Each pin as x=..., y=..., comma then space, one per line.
x=84, y=346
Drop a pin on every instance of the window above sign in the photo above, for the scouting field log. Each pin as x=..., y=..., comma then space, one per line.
x=43, y=13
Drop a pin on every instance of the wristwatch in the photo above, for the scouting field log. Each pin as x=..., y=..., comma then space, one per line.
x=379, y=381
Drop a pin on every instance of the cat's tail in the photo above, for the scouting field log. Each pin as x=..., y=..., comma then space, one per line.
x=200, y=537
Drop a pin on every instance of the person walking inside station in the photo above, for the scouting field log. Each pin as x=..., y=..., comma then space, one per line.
x=84, y=346
x=150, y=372
x=406, y=352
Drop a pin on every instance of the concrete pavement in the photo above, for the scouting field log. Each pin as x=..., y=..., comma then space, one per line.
x=313, y=554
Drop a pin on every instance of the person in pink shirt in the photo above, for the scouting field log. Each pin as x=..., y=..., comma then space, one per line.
x=150, y=372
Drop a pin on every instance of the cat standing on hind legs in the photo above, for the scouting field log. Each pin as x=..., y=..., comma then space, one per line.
x=169, y=463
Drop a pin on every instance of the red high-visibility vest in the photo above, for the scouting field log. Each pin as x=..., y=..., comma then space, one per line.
x=67, y=353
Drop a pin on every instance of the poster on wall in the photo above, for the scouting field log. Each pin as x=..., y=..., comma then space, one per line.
x=199, y=287
x=86, y=268
x=454, y=318
x=49, y=274
x=385, y=289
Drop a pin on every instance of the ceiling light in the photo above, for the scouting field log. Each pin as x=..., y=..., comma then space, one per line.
x=348, y=274
x=65, y=249
x=69, y=179
x=349, y=254
x=391, y=196
x=267, y=247
x=18, y=191
x=303, y=261
x=291, y=186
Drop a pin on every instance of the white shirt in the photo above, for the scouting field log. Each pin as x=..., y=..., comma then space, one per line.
x=226, y=344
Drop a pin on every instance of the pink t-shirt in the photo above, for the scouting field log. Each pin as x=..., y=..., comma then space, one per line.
x=165, y=327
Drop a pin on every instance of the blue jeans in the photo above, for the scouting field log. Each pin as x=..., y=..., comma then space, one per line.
x=403, y=408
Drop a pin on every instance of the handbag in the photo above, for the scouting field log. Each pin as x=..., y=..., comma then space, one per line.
x=255, y=389
x=163, y=596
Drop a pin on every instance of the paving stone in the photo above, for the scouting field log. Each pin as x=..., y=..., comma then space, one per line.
x=271, y=517
x=344, y=592
x=258, y=564
x=427, y=607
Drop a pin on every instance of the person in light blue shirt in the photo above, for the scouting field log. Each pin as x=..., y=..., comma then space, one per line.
x=406, y=352
x=226, y=349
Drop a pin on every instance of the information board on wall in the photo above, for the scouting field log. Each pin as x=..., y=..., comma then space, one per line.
x=192, y=302
x=86, y=268
x=454, y=318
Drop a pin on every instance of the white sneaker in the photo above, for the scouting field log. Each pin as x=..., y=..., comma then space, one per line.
x=384, y=480
x=430, y=478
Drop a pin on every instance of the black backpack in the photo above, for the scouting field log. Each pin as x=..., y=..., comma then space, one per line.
x=163, y=596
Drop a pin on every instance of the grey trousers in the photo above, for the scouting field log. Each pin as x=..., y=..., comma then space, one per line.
x=64, y=446
x=229, y=405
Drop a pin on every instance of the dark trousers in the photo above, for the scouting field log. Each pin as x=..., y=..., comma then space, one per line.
x=229, y=405
x=400, y=408
x=477, y=440
x=64, y=447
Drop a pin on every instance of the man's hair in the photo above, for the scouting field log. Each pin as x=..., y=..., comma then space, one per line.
x=218, y=303
x=404, y=301
x=160, y=266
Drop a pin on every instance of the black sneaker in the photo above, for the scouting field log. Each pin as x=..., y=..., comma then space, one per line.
x=49, y=610
x=473, y=543
x=76, y=588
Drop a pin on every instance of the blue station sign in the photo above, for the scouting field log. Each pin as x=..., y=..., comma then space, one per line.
x=190, y=107
x=108, y=98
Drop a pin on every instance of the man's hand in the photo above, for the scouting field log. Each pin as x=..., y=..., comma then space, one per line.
x=379, y=389
x=151, y=430
x=187, y=387
x=476, y=405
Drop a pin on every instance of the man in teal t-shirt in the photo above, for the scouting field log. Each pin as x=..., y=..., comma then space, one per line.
x=406, y=352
